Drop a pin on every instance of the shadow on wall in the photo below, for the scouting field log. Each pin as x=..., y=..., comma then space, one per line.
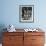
x=2, y=26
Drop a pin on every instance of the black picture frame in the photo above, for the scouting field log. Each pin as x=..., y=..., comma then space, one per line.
x=26, y=13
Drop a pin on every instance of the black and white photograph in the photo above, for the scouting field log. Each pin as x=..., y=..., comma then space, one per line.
x=26, y=13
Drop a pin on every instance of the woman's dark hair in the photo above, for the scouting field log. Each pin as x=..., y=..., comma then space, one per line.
x=23, y=8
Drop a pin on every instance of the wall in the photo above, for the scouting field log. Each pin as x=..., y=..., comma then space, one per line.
x=10, y=13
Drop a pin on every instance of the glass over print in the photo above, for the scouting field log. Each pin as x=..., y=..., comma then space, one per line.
x=26, y=13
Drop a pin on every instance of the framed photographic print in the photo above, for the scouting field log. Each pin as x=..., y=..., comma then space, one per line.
x=26, y=13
